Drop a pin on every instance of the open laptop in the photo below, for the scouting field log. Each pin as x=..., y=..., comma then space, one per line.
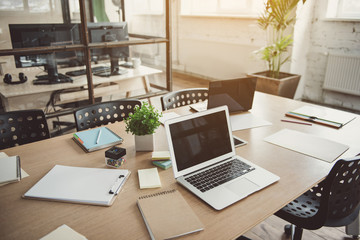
x=237, y=94
x=201, y=144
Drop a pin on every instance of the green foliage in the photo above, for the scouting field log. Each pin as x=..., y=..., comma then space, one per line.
x=144, y=120
x=278, y=15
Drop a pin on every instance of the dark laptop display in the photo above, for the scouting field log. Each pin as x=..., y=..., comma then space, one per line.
x=237, y=94
x=200, y=139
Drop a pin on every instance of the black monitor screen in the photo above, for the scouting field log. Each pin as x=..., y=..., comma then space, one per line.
x=40, y=35
x=109, y=32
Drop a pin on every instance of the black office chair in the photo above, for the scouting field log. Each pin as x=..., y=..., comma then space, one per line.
x=103, y=113
x=22, y=127
x=183, y=97
x=334, y=202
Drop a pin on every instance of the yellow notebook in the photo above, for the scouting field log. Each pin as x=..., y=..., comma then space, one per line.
x=168, y=215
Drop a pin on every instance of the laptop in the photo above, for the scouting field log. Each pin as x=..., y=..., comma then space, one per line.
x=237, y=94
x=201, y=144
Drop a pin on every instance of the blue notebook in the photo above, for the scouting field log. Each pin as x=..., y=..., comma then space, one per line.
x=96, y=138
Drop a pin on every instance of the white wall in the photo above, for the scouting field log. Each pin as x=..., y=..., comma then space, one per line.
x=325, y=37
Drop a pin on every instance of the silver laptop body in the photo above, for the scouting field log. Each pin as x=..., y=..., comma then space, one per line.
x=200, y=143
x=237, y=94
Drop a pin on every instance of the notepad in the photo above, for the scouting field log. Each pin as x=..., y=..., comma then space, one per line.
x=97, y=186
x=168, y=215
x=311, y=145
x=160, y=155
x=10, y=170
x=97, y=138
x=149, y=178
x=163, y=164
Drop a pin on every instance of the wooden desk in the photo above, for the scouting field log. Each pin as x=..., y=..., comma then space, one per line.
x=32, y=219
x=29, y=96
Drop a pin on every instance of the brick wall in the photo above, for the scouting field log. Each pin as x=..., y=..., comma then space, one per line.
x=327, y=37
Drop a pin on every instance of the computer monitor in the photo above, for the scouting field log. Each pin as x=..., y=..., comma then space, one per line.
x=39, y=35
x=109, y=32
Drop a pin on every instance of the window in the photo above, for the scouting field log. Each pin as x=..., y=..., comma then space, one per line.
x=148, y=6
x=250, y=8
x=32, y=6
x=343, y=9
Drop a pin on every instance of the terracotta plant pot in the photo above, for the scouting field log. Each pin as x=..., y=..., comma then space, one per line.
x=285, y=86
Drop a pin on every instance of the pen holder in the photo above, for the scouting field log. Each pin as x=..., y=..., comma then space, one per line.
x=114, y=157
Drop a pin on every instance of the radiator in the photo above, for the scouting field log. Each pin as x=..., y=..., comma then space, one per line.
x=343, y=74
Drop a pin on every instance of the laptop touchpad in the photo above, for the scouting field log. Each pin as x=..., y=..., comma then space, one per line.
x=242, y=187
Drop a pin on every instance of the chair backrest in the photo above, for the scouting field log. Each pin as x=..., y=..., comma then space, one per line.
x=183, y=97
x=103, y=113
x=344, y=197
x=337, y=198
x=21, y=127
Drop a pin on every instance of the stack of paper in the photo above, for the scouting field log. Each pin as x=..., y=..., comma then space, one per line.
x=161, y=159
x=10, y=170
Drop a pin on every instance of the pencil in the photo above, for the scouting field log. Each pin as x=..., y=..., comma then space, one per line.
x=283, y=120
x=98, y=137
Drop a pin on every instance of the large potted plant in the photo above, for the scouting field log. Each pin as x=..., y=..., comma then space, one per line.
x=277, y=19
x=143, y=123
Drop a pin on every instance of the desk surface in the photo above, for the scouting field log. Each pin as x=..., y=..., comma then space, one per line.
x=27, y=88
x=32, y=219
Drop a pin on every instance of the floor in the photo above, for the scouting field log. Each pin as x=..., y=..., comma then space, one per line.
x=272, y=227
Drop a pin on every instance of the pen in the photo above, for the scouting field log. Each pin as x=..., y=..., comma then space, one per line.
x=283, y=120
x=98, y=137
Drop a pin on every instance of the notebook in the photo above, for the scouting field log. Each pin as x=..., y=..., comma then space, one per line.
x=201, y=144
x=167, y=215
x=95, y=186
x=10, y=170
x=96, y=138
x=237, y=94
x=325, y=116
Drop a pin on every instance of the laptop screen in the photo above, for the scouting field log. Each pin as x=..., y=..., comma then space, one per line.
x=237, y=94
x=199, y=139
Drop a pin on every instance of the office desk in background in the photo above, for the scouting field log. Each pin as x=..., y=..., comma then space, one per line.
x=32, y=219
x=29, y=96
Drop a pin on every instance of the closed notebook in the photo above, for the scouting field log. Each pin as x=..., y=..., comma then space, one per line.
x=10, y=170
x=167, y=215
x=96, y=138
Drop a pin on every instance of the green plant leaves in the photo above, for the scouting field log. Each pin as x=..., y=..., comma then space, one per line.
x=277, y=16
x=144, y=120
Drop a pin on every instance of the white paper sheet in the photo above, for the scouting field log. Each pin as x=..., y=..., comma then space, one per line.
x=308, y=144
x=246, y=120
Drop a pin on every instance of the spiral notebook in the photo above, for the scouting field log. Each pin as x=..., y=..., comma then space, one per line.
x=167, y=215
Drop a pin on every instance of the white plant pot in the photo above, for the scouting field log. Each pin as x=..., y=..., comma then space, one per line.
x=144, y=143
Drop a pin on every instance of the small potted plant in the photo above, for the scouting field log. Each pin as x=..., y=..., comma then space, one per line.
x=277, y=19
x=143, y=123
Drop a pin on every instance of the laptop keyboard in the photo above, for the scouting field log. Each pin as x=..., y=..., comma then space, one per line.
x=218, y=175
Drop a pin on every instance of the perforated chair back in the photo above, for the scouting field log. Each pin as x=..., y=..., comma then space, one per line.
x=183, y=97
x=103, y=113
x=334, y=202
x=22, y=127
